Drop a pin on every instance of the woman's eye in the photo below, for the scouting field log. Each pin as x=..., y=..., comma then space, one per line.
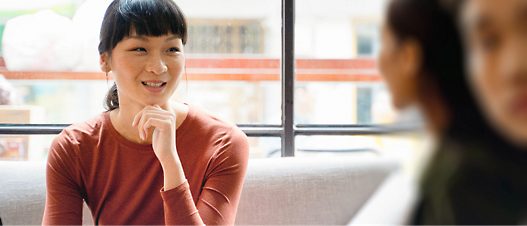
x=173, y=49
x=139, y=49
x=490, y=42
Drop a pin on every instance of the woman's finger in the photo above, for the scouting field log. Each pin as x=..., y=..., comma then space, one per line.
x=157, y=123
x=147, y=116
x=138, y=117
x=150, y=112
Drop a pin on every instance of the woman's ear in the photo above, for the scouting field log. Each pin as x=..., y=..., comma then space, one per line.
x=412, y=58
x=105, y=63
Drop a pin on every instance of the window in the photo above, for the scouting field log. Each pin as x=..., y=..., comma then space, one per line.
x=225, y=36
x=366, y=37
x=326, y=98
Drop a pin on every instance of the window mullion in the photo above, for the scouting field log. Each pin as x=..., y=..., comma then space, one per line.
x=288, y=77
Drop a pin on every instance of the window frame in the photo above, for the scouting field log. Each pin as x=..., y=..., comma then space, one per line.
x=288, y=130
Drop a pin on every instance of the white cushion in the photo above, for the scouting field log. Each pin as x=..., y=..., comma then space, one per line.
x=299, y=191
x=22, y=192
x=276, y=191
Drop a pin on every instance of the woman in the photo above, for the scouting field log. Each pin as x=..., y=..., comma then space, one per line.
x=495, y=38
x=146, y=160
x=476, y=177
x=422, y=62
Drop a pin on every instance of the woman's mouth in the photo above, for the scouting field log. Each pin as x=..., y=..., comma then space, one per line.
x=155, y=85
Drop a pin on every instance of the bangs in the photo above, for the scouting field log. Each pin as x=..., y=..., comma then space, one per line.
x=151, y=18
x=144, y=17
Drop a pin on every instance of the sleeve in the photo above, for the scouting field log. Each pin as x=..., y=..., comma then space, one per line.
x=219, y=198
x=63, y=197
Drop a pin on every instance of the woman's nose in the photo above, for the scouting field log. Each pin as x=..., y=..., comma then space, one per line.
x=156, y=64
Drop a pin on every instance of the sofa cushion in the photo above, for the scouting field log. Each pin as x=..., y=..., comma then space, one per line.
x=22, y=192
x=300, y=191
x=276, y=191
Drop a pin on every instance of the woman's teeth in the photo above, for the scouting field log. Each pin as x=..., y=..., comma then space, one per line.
x=153, y=84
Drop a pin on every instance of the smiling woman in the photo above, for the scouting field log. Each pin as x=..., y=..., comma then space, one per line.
x=118, y=161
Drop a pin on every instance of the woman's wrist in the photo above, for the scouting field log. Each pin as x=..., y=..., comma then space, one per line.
x=169, y=160
x=172, y=172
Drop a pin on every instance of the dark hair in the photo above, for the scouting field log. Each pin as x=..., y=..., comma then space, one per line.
x=145, y=17
x=430, y=24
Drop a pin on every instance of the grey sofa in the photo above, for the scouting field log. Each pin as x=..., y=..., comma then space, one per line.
x=277, y=191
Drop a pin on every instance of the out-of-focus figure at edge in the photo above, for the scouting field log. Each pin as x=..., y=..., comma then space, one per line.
x=464, y=65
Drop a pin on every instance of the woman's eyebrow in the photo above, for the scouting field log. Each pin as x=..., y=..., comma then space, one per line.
x=139, y=37
x=172, y=38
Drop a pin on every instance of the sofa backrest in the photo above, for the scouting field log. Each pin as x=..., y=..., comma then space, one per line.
x=22, y=192
x=300, y=191
x=276, y=191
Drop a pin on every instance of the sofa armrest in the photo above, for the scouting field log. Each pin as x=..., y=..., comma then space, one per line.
x=391, y=204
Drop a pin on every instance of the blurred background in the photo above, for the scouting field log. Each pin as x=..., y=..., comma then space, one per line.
x=49, y=60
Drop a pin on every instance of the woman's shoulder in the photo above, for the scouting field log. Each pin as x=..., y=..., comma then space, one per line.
x=204, y=120
x=83, y=131
x=67, y=143
x=206, y=124
x=228, y=141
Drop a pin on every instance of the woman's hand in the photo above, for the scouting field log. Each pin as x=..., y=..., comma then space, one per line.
x=163, y=124
x=163, y=141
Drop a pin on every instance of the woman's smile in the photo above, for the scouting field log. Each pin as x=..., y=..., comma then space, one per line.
x=154, y=86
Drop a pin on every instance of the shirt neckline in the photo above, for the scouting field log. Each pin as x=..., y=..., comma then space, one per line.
x=180, y=131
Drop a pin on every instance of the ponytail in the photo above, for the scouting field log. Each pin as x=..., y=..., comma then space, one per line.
x=112, y=99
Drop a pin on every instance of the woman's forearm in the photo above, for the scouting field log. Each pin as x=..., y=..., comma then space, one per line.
x=172, y=172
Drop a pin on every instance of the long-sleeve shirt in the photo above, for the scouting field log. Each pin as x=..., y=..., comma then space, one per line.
x=122, y=181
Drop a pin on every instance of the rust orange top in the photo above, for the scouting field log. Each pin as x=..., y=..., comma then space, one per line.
x=121, y=181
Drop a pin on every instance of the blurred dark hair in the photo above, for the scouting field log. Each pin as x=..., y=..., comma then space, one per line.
x=430, y=24
x=145, y=17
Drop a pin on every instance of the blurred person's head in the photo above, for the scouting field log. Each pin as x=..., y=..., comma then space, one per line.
x=421, y=60
x=141, y=42
x=495, y=36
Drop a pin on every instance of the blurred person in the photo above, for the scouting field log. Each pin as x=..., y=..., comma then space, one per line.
x=494, y=33
x=146, y=160
x=476, y=175
x=422, y=61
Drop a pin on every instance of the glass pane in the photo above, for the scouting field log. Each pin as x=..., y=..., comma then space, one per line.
x=24, y=148
x=337, y=80
x=410, y=149
x=232, y=59
x=265, y=147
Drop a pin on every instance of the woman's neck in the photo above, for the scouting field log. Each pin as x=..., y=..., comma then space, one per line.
x=436, y=114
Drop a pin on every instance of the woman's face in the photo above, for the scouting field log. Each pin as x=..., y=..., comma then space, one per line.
x=397, y=69
x=147, y=69
x=495, y=33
